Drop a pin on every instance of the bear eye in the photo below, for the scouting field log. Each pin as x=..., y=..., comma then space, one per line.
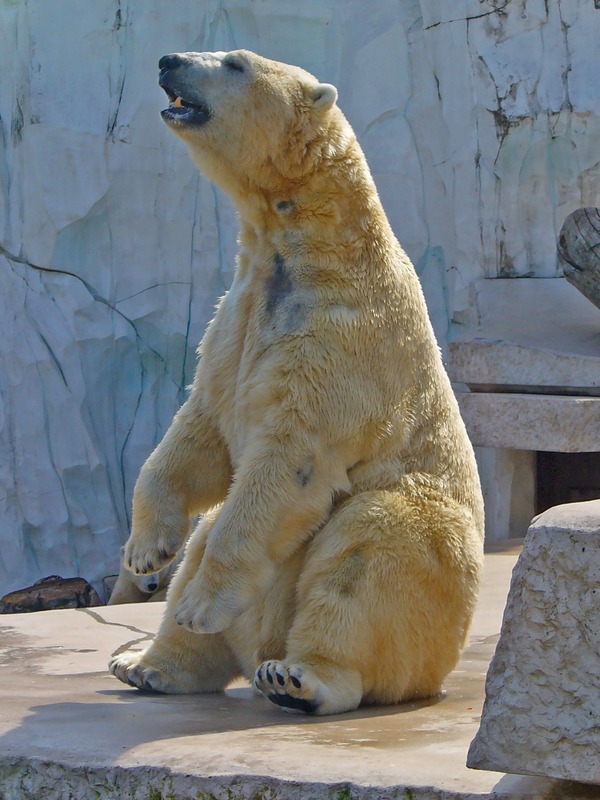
x=233, y=65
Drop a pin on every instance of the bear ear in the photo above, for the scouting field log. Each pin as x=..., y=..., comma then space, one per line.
x=323, y=96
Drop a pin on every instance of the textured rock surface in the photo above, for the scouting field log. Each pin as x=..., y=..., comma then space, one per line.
x=542, y=708
x=113, y=250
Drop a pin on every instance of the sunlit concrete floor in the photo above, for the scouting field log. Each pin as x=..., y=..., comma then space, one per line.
x=68, y=729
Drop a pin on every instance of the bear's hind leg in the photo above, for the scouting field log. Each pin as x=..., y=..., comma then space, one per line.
x=178, y=661
x=383, y=604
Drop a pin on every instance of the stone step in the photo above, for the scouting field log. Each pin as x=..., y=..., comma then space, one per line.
x=484, y=362
x=554, y=423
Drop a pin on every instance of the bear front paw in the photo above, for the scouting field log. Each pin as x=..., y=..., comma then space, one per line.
x=129, y=668
x=141, y=558
x=201, y=614
x=144, y=671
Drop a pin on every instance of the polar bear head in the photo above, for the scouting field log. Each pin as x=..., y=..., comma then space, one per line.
x=247, y=120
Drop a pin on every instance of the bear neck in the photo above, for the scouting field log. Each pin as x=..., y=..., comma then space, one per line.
x=334, y=200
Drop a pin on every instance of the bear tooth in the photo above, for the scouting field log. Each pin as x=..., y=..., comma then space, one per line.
x=177, y=102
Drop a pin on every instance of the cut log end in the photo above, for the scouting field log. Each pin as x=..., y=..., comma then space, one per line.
x=579, y=252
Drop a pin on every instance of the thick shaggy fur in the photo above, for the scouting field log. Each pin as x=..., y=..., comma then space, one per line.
x=338, y=558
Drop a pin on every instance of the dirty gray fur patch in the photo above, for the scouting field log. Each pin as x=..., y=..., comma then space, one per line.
x=305, y=472
x=285, y=205
x=295, y=316
x=345, y=578
x=279, y=285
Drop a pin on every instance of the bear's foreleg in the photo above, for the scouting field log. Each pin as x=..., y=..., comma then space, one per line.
x=280, y=495
x=178, y=661
x=188, y=473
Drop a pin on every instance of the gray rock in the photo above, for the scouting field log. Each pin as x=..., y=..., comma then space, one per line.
x=542, y=710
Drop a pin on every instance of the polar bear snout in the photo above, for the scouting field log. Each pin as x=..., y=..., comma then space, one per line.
x=187, y=79
x=150, y=584
x=186, y=104
x=171, y=61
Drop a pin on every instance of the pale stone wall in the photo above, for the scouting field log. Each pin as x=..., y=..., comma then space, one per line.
x=479, y=119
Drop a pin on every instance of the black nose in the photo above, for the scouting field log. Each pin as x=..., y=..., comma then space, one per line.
x=152, y=586
x=169, y=62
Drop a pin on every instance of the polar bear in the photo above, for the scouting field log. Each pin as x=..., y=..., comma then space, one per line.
x=151, y=587
x=338, y=558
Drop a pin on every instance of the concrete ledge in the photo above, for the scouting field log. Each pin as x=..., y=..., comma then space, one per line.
x=490, y=362
x=69, y=730
x=532, y=422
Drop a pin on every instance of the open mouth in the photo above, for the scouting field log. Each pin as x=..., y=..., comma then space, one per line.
x=181, y=110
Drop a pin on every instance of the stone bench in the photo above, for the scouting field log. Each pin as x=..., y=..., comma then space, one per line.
x=542, y=710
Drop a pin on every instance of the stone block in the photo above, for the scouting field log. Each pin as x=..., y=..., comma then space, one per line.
x=554, y=423
x=505, y=365
x=542, y=709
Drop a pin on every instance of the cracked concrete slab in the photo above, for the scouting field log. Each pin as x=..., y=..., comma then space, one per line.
x=69, y=729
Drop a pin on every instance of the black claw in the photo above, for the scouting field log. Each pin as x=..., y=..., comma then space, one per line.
x=280, y=679
x=149, y=566
x=296, y=682
x=147, y=687
x=164, y=555
x=269, y=678
x=259, y=674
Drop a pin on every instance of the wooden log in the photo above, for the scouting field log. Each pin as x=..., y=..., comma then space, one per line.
x=579, y=251
x=50, y=593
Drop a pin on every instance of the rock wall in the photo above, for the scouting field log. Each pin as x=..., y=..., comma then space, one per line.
x=479, y=119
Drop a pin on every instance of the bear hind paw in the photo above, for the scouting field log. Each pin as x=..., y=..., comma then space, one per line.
x=284, y=686
x=295, y=688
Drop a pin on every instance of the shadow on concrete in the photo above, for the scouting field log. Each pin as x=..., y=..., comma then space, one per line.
x=518, y=786
x=119, y=720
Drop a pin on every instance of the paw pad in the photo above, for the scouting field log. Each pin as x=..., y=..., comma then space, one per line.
x=283, y=686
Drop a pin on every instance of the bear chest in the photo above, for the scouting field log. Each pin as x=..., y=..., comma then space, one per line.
x=254, y=334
